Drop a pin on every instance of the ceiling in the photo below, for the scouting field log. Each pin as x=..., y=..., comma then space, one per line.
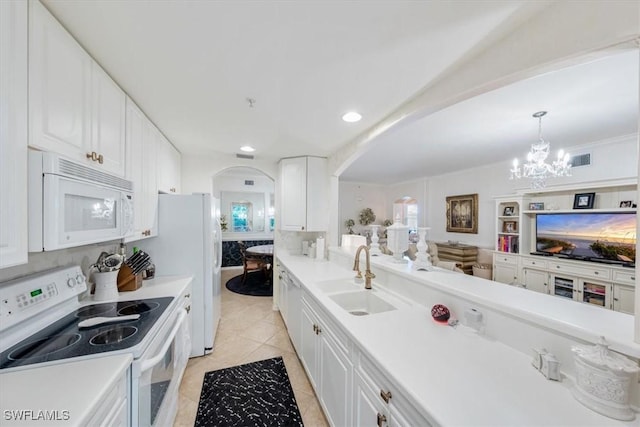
x=586, y=103
x=191, y=65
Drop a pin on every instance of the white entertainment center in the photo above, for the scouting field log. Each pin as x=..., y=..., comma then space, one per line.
x=611, y=286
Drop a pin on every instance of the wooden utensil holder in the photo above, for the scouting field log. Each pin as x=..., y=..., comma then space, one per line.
x=127, y=281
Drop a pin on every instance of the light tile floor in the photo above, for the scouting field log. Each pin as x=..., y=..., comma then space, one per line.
x=249, y=330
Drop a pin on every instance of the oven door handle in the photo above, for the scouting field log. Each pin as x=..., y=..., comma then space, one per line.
x=150, y=363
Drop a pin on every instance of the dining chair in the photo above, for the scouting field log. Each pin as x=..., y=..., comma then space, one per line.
x=252, y=263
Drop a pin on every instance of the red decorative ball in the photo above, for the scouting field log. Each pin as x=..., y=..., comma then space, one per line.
x=440, y=313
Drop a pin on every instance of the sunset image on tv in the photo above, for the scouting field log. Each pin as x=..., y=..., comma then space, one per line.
x=607, y=236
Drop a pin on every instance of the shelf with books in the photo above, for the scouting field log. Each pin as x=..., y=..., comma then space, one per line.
x=509, y=224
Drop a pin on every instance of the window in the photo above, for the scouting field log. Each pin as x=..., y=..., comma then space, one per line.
x=241, y=214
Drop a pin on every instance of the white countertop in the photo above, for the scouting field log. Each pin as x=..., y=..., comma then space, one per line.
x=76, y=387
x=453, y=375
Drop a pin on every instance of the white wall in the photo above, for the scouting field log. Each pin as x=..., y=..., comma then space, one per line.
x=198, y=170
x=84, y=256
x=611, y=159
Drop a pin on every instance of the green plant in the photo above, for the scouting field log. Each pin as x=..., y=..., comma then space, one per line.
x=367, y=216
x=387, y=222
x=223, y=222
x=350, y=223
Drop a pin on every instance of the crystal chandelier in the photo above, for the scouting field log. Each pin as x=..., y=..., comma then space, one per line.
x=536, y=167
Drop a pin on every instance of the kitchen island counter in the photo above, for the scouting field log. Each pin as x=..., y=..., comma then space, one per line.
x=452, y=376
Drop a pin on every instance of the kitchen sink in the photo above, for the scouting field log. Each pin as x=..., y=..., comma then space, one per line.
x=361, y=303
x=339, y=285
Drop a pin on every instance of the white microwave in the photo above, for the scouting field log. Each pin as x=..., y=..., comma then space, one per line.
x=73, y=205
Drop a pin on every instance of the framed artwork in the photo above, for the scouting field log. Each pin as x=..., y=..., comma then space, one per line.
x=626, y=204
x=508, y=211
x=510, y=227
x=536, y=206
x=462, y=214
x=584, y=200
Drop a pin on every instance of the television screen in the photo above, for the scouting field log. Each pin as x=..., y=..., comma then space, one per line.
x=596, y=236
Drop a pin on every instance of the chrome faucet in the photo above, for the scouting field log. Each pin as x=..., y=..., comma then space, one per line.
x=368, y=275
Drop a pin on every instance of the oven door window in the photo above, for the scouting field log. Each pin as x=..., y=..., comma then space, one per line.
x=157, y=382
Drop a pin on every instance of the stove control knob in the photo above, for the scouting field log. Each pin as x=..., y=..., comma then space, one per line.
x=79, y=279
x=71, y=282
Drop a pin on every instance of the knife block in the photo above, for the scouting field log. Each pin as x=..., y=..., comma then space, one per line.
x=127, y=281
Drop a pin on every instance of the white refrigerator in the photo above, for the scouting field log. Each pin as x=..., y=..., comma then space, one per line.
x=189, y=242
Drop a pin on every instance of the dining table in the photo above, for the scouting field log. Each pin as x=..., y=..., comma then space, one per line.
x=265, y=252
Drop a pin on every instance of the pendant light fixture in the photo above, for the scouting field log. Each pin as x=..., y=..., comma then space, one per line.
x=536, y=168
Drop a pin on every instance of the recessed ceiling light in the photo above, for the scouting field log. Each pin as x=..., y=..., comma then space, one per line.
x=247, y=149
x=351, y=117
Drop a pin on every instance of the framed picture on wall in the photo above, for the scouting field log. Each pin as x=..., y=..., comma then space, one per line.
x=584, y=200
x=462, y=214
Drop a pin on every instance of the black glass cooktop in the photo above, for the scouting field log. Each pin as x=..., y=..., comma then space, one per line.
x=63, y=339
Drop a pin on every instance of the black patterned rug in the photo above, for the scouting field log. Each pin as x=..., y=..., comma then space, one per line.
x=255, y=394
x=257, y=284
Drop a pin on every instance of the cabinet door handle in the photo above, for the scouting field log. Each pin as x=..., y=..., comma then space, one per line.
x=187, y=296
x=616, y=299
x=596, y=272
x=172, y=189
x=92, y=156
x=188, y=308
x=100, y=159
x=318, y=330
x=557, y=266
x=385, y=395
x=315, y=328
x=633, y=277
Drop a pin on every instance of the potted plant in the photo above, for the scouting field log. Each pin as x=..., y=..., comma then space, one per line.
x=367, y=216
x=350, y=223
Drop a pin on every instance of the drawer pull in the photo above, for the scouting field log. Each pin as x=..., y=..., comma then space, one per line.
x=381, y=419
x=616, y=299
x=385, y=395
x=533, y=262
x=596, y=272
x=633, y=277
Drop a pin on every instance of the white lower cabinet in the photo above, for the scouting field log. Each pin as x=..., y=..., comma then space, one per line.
x=349, y=396
x=536, y=280
x=113, y=409
x=624, y=298
x=505, y=268
x=327, y=365
x=377, y=393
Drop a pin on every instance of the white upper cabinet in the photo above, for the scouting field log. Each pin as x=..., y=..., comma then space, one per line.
x=304, y=194
x=75, y=108
x=168, y=167
x=141, y=169
x=13, y=133
x=108, y=124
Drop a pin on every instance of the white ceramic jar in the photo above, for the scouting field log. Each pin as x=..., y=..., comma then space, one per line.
x=603, y=380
